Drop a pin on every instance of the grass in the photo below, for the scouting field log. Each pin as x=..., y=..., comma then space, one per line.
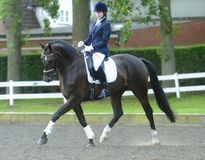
x=188, y=103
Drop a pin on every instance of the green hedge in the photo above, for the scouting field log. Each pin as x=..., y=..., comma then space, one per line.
x=188, y=59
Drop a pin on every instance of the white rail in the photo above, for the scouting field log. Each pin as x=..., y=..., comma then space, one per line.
x=175, y=77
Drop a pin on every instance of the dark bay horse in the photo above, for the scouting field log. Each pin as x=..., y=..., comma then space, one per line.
x=132, y=74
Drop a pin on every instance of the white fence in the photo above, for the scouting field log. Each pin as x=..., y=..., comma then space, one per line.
x=175, y=77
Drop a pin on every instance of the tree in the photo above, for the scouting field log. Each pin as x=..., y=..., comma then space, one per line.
x=167, y=46
x=81, y=19
x=11, y=12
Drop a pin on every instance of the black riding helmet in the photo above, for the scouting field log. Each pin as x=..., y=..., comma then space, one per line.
x=100, y=7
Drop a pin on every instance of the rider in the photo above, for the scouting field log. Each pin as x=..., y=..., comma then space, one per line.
x=97, y=41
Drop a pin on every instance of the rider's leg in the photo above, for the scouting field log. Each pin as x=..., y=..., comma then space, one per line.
x=102, y=76
x=90, y=65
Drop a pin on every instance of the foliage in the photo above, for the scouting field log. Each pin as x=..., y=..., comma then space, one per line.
x=51, y=6
x=3, y=9
x=152, y=10
x=25, y=37
x=164, y=15
x=126, y=32
x=47, y=29
x=12, y=17
x=3, y=4
x=122, y=10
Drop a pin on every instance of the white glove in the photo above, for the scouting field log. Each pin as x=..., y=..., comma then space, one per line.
x=88, y=48
x=80, y=44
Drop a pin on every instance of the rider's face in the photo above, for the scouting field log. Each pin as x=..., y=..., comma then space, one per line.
x=99, y=15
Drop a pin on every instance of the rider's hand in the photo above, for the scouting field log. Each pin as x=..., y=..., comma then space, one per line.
x=88, y=48
x=80, y=44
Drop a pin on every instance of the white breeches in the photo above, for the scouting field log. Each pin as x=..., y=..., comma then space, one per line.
x=97, y=59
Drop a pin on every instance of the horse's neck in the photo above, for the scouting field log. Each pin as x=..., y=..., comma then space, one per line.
x=65, y=51
x=69, y=57
x=70, y=71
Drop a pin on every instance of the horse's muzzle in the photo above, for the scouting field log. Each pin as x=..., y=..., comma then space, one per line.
x=48, y=78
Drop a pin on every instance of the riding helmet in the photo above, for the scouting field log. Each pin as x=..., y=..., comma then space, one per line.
x=100, y=7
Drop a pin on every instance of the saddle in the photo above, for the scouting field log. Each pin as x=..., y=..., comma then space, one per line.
x=108, y=65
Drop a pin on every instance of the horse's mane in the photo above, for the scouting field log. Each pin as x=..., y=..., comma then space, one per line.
x=65, y=45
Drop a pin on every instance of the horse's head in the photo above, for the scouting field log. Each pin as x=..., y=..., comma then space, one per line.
x=48, y=57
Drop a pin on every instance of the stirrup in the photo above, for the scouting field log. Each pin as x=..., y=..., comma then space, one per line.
x=104, y=93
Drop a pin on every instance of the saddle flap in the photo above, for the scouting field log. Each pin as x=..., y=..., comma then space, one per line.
x=110, y=68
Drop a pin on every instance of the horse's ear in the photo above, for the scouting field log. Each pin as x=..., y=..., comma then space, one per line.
x=42, y=46
x=49, y=47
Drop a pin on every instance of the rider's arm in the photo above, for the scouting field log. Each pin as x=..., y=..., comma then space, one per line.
x=87, y=42
x=105, y=37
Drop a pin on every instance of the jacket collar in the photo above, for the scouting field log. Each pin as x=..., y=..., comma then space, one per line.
x=100, y=25
x=100, y=21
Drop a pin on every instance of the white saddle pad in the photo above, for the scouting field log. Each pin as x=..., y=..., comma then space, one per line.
x=109, y=68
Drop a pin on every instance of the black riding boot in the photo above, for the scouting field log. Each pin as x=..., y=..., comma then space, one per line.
x=104, y=92
x=90, y=65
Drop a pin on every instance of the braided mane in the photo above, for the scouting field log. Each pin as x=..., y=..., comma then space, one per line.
x=65, y=45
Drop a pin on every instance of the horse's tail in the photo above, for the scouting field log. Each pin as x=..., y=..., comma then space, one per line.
x=158, y=91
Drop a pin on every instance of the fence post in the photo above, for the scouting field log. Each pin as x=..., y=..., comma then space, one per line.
x=11, y=93
x=176, y=81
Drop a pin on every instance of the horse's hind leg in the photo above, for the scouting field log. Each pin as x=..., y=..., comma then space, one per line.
x=117, y=113
x=149, y=113
x=90, y=134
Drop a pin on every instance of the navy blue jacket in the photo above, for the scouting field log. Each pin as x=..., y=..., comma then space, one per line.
x=99, y=37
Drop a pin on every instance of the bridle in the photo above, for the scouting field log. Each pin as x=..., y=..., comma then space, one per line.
x=47, y=57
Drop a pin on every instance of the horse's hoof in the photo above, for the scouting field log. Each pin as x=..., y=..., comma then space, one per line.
x=103, y=139
x=42, y=141
x=156, y=142
x=91, y=143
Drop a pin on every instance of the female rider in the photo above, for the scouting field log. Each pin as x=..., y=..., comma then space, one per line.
x=97, y=41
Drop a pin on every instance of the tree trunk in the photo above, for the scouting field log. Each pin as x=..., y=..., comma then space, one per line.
x=81, y=19
x=167, y=46
x=13, y=27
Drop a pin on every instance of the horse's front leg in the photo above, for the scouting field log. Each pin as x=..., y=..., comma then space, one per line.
x=65, y=108
x=88, y=131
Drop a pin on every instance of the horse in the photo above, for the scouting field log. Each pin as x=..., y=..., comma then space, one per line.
x=132, y=74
